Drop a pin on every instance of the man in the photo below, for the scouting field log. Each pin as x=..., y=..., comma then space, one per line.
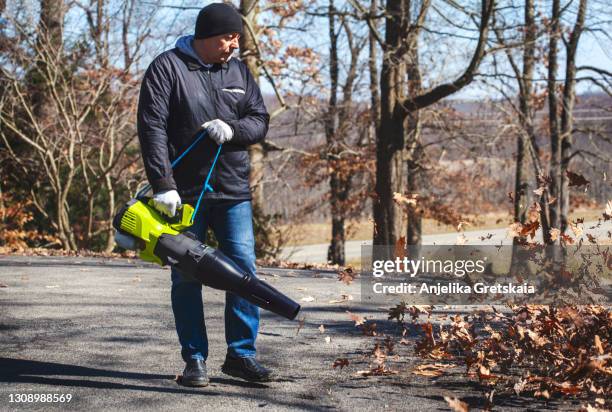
x=199, y=86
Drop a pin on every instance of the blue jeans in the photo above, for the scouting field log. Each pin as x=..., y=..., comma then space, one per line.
x=232, y=224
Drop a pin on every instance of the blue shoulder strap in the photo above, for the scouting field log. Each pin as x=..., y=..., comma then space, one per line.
x=206, y=187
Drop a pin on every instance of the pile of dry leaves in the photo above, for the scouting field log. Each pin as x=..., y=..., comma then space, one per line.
x=533, y=350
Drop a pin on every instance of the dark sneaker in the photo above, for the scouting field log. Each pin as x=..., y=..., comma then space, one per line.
x=195, y=373
x=246, y=368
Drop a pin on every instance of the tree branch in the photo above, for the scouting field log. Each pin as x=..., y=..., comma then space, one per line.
x=418, y=102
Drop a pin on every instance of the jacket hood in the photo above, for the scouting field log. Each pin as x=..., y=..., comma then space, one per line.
x=184, y=45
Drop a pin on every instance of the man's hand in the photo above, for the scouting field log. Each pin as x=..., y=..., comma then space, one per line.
x=167, y=202
x=219, y=131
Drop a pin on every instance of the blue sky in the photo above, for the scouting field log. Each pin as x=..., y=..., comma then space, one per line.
x=448, y=57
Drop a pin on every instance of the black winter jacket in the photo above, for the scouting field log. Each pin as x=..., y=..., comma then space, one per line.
x=177, y=95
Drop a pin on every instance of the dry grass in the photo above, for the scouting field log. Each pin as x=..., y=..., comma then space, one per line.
x=316, y=233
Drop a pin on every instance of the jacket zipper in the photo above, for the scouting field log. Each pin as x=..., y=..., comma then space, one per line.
x=214, y=106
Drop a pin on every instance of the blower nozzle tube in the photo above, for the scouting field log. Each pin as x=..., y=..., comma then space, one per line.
x=212, y=268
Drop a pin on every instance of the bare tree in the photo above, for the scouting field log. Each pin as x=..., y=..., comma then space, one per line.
x=337, y=124
x=249, y=55
x=81, y=143
x=373, y=70
x=525, y=107
x=552, y=180
x=399, y=44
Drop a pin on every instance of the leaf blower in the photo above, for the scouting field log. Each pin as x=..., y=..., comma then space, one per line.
x=160, y=240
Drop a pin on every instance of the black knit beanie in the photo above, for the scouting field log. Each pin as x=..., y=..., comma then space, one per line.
x=217, y=18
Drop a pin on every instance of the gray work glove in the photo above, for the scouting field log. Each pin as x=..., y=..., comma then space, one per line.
x=219, y=131
x=167, y=202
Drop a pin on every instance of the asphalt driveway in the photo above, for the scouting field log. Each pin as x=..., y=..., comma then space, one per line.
x=102, y=331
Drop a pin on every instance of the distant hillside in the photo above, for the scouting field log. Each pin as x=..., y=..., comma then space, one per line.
x=485, y=135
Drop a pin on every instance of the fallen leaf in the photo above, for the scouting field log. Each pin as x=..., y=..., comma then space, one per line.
x=514, y=230
x=380, y=370
x=359, y=320
x=369, y=329
x=520, y=386
x=461, y=224
x=432, y=369
x=586, y=369
x=608, y=212
x=537, y=339
x=308, y=299
x=430, y=373
x=404, y=200
x=533, y=214
x=566, y=239
x=598, y=345
x=530, y=229
x=576, y=229
x=378, y=354
x=400, y=247
x=554, y=234
x=343, y=298
x=340, y=363
x=456, y=404
x=347, y=275
x=461, y=239
x=300, y=325
x=568, y=389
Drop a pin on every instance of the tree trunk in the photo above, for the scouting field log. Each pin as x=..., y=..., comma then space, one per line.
x=521, y=187
x=250, y=56
x=248, y=53
x=50, y=43
x=401, y=33
x=414, y=230
x=567, y=121
x=414, y=148
x=373, y=69
x=390, y=135
x=553, y=124
x=335, y=253
x=110, y=240
x=336, y=248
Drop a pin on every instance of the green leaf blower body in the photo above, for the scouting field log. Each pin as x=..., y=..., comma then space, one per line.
x=160, y=241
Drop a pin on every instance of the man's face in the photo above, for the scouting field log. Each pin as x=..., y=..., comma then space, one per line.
x=219, y=49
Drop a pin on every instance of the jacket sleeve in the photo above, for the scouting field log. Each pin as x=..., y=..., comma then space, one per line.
x=153, y=113
x=252, y=126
